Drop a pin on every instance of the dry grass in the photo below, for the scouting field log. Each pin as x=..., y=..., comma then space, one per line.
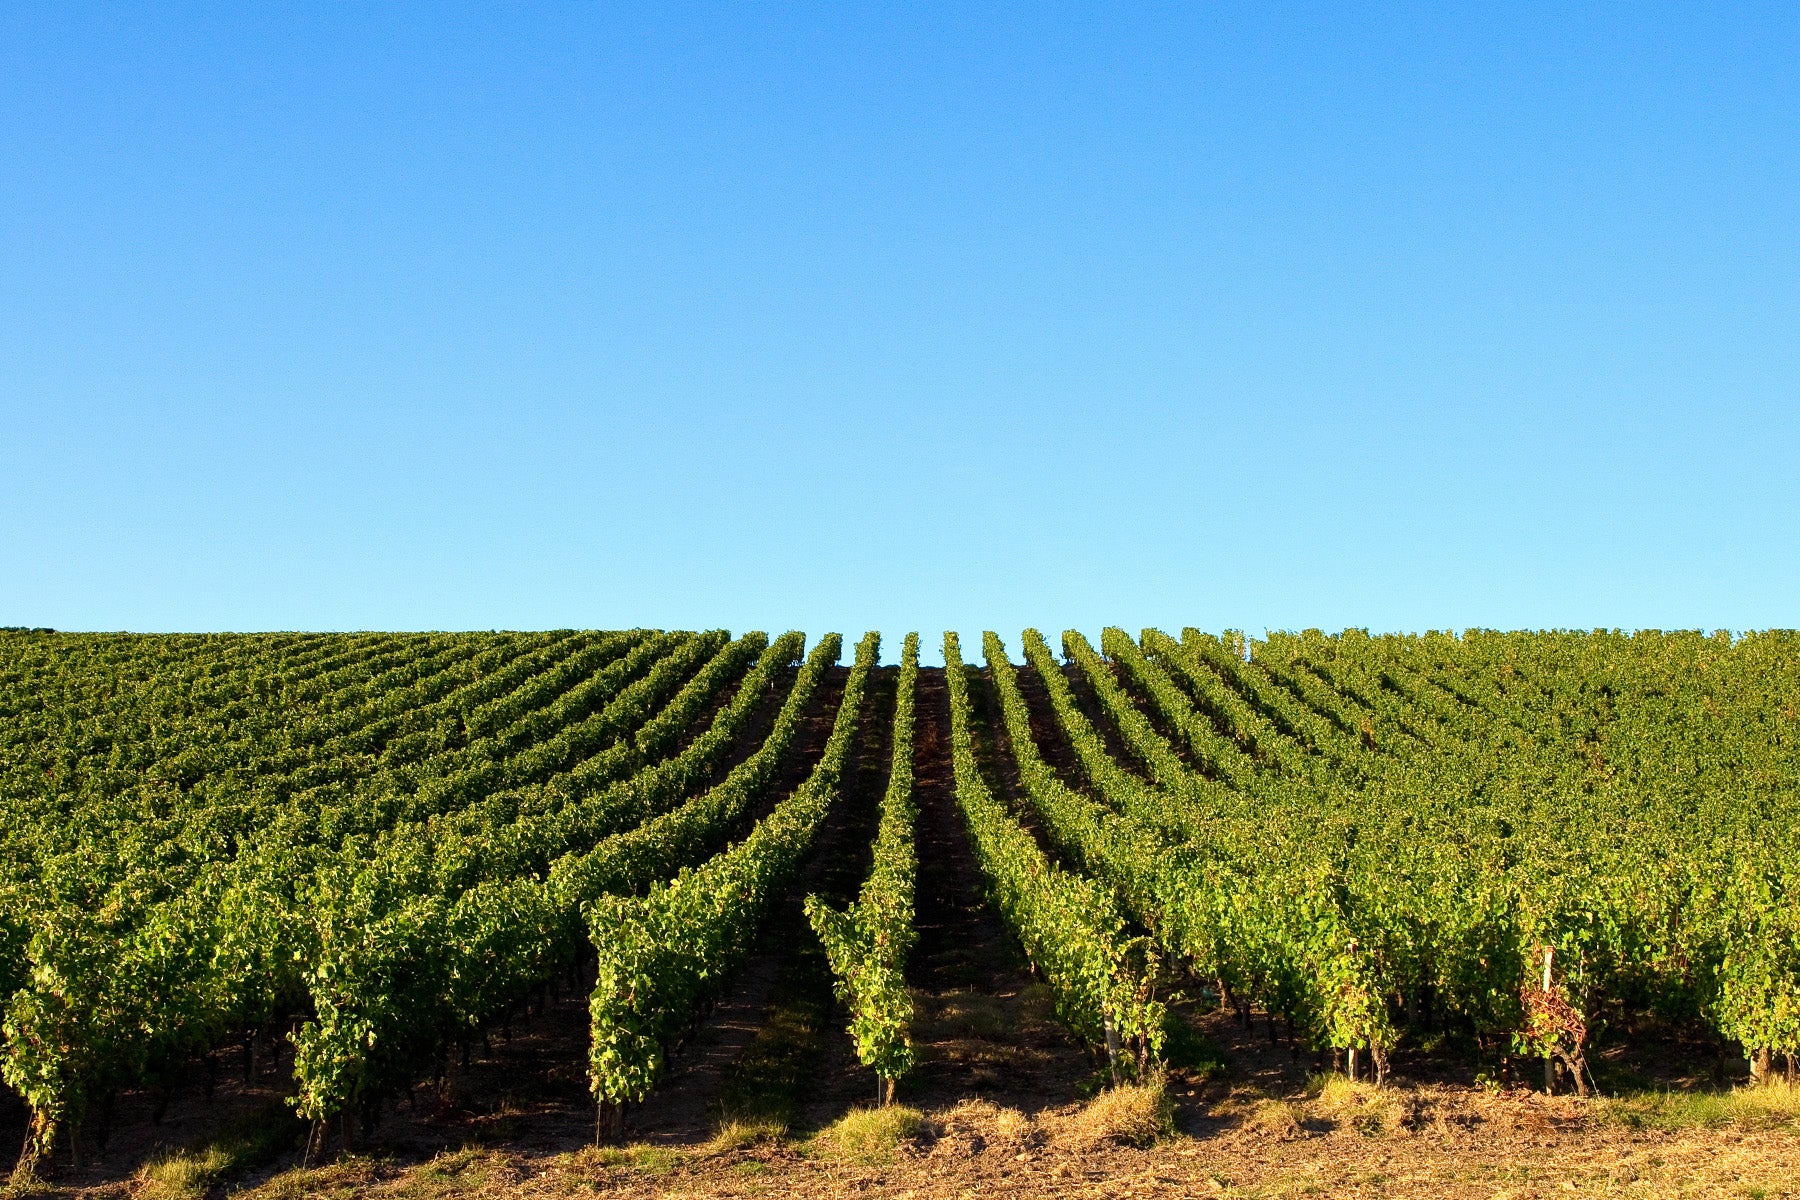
x=1510, y=1143
x=348, y=1176
x=1011, y=1125
x=870, y=1135
x=1371, y=1110
x=741, y=1135
x=972, y=1125
x=1133, y=1114
x=459, y=1173
x=183, y=1176
x=1277, y=1119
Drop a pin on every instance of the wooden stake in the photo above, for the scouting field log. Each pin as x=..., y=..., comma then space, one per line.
x=1112, y=1047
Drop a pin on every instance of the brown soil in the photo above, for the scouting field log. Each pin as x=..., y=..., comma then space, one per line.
x=1431, y=1142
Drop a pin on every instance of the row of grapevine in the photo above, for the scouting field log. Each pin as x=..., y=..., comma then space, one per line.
x=233, y=938
x=1505, y=855
x=1310, y=730
x=454, y=908
x=505, y=933
x=1279, y=935
x=95, y=970
x=137, y=986
x=1248, y=724
x=1102, y=978
x=391, y=841
x=1218, y=754
x=660, y=839
x=1675, y=754
x=661, y=955
x=867, y=944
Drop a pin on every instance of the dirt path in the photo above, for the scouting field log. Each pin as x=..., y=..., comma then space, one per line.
x=983, y=1026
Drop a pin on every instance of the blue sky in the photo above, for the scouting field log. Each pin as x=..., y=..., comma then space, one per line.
x=834, y=317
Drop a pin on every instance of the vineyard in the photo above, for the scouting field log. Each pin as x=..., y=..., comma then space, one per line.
x=344, y=862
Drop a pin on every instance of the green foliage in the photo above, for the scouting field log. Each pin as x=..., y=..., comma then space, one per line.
x=867, y=945
x=663, y=954
x=395, y=840
x=1070, y=926
x=362, y=837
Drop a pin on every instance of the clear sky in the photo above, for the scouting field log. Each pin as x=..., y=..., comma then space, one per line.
x=840, y=317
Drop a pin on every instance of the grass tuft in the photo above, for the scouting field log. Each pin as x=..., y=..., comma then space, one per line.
x=871, y=1135
x=641, y=1157
x=1373, y=1111
x=183, y=1175
x=1276, y=1118
x=1011, y=1125
x=1132, y=1114
x=192, y=1172
x=351, y=1175
x=741, y=1135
